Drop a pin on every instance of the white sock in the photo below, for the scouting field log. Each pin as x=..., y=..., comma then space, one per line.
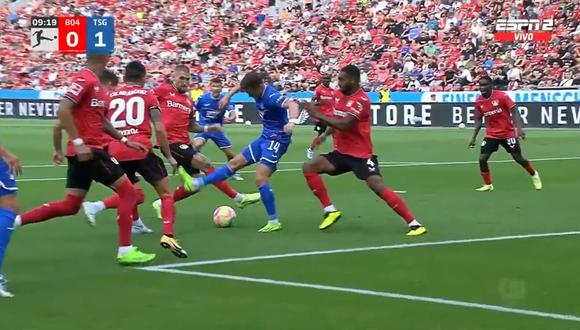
x=124, y=249
x=414, y=223
x=239, y=198
x=17, y=221
x=273, y=221
x=100, y=205
x=330, y=208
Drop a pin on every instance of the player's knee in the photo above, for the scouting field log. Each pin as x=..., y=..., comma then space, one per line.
x=261, y=180
x=308, y=167
x=236, y=163
x=73, y=204
x=10, y=202
x=376, y=184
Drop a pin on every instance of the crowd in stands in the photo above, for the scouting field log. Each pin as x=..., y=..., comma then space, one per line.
x=400, y=45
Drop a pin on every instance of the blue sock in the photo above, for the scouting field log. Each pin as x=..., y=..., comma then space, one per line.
x=269, y=201
x=7, y=217
x=220, y=174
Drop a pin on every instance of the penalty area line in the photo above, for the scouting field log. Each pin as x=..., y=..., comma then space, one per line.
x=384, y=294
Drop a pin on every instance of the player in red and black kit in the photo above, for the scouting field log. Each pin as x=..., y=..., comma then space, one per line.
x=132, y=110
x=82, y=115
x=324, y=96
x=178, y=118
x=353, y=151
x=500, y=113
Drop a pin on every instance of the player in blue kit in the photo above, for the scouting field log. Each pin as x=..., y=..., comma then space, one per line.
x=210, y=114
x=267, y=149
x=9, y=208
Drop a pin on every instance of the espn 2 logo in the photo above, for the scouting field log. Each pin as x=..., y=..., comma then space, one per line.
x=523, y=29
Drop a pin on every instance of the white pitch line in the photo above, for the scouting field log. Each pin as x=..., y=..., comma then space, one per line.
x=381, y=164
x=384, y=294
x=360, y=249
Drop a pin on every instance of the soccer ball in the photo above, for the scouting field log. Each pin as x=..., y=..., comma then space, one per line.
x=224, y=216
x=461, y=125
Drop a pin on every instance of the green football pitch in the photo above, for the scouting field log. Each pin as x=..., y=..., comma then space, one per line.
x=501, y=260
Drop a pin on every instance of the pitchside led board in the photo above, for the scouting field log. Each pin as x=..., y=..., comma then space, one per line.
x=73, y=35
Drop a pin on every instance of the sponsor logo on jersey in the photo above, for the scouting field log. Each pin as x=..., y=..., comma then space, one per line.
x=492, y=112
x=97, y=103
x=178, y=105
x=75, y=89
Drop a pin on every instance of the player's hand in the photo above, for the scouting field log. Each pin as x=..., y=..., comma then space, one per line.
x=13, y=163
x=224, y=102
x=57, y=158
x=83, y=153
x=471, y=143
x=173, y=163
x=521, y=133
x=136, y=145
x=288, y=128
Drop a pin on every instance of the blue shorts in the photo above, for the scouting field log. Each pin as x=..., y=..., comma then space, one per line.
x=7, y=182
x=219, y=138
x=266, y=151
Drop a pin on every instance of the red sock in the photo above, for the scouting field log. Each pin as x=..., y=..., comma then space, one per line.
x=486, y=177
x=112, y=202
x=70, y=205
x=168, y=214
x=127, y=202
x=530, y=169
x=315, y=142
x=397, y=204
x=136, y=216
x=180, y=193
x=318, y=188
x=223, y=185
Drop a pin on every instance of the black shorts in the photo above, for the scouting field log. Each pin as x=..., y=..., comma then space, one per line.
x=490, y=145
x=183, y=154
x=320, y=127
x=101, y=168
x=151, y=168
x=362, y=167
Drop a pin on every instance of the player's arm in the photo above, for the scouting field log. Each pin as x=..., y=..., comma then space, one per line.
x=340, y=124
x=194, y=127
x=10, y=159
x=57, y=143
x=293, y=114
x=161, y=135
x=226, y=99
x=231, y=115
x=476, y=127
x=113, y=132
x=516, y=116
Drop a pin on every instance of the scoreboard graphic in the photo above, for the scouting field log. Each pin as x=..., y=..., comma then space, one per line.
x=73, y=35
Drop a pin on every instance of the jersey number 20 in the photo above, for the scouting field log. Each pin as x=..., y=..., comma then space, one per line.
x=134, y=110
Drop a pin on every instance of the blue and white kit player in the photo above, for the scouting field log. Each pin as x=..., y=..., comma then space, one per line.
x=279, y=116
x=9, y=208
x=210, y=114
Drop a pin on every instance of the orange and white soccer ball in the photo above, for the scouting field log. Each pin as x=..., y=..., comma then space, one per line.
x=224, y=216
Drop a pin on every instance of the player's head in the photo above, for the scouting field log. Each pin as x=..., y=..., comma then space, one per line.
x=135, y=73
x=349, y=79
x=216, y=85
x=181, y=78
x=109, y=79
x=253, y=84
x=486, y=86
x=326, y=79
x=97, y=62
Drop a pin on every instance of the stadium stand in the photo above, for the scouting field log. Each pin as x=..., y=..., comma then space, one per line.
x=431, y=45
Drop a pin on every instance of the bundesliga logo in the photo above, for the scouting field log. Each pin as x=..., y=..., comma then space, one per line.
x=523, y=29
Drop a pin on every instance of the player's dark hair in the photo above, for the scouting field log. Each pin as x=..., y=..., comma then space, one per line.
x=217, y=80
x=134, y=71
x=351, y=71
x=252, y=79
x=182, y=68
x=108, y=76
x=488, y=78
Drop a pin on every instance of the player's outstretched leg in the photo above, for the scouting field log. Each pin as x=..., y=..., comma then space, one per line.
x=229, y=156
x=485, y=174
x=127, y=254
x=70, y=205
x=263, y=174
x=527, y=165
x=168, y=240
x=92, y=209
x=8, y=210
x=375, y=182
x=311, y=171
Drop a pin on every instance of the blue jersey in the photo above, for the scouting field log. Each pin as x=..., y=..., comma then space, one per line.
x=7, y=182
x=274, y=116
x=208, y=108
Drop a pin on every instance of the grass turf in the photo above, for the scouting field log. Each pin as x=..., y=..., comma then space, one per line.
x=65, y=276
